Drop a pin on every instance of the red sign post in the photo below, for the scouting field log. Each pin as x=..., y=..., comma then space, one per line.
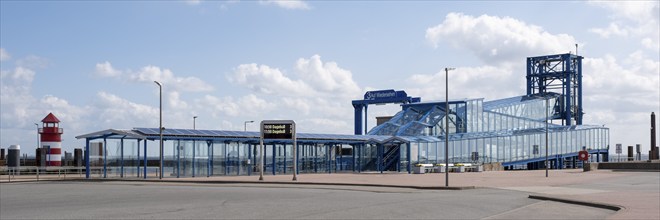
x=583, y=155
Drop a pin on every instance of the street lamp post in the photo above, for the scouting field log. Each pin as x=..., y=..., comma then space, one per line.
x=546, y=136
x=194, y=117
x=160, y=129
x=245, y=125
x=447, y=126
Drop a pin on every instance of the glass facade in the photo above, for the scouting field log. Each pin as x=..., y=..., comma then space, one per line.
x=510, y=131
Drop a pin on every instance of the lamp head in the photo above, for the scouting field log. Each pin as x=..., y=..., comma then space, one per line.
x=157, y=83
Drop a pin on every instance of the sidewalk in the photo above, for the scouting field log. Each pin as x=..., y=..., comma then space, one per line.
x=638, y=193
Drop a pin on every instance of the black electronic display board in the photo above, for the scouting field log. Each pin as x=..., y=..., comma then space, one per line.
x=277, y=131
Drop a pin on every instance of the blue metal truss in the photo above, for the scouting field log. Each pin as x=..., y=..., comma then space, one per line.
x=561, y=73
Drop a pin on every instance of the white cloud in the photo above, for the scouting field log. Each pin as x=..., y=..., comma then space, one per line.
x=24, y=74
x=498, y=39
x=33, y=62
x=106, y=70
x=249, y=105
x=150, y=73
x=651, y=44
x=323, y=90
x=175, y=101
x=266, y=80
x=638, y=80
x=326, y=77
x=288, y=4
x=638, y=11
x=17, y=102
x=633, y=18
x=193, y=2
x=317, y=79
x=493, y=83
x=114, y=111
x=4, y=55
x=612, y=30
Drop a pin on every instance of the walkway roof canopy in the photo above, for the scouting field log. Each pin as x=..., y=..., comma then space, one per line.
x=245, y=136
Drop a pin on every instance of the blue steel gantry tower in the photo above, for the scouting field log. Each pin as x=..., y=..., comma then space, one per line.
x=560, y=73
x=377, y=98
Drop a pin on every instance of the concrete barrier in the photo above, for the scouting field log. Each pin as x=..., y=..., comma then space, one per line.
x=653, y=165
x=493, y=167
x=590, y=167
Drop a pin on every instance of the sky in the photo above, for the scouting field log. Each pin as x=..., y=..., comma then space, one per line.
x=93, y=63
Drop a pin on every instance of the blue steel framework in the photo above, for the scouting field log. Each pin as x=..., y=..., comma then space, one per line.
x=561, y=73
x=510, y=131
x=378, y=97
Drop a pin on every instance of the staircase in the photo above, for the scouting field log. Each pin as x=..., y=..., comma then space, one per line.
x=391, y=158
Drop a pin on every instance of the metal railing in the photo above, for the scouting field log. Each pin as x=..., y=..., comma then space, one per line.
x=41, y=173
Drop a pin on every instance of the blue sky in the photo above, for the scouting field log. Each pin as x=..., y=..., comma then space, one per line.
x=93, y=63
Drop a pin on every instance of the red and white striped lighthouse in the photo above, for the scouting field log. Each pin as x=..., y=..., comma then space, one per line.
x=51, y=140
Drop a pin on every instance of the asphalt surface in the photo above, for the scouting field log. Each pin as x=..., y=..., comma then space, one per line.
x=140, y=200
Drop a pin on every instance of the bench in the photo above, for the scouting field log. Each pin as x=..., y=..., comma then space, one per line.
x=422, y=168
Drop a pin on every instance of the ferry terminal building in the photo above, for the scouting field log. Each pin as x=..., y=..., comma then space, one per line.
x=509, y=131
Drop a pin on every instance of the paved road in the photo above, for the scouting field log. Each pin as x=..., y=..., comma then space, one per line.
x=112, y=200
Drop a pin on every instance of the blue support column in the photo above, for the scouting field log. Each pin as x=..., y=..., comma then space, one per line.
x=379, y=151
x=353, y=158
x=251, y=155
x=567, y=89
x=284, y=163
x=138, y=158
x=212, y=152
x=339, y=165
x=86, y=158
x=529, y=75
x=105, y=158
x=122, y=158
x=579, y=88
x=297, y=163
x=366, y=119
x=226, y=154
x=274, y=157
x=315, y=159
x=359, y=161
x=193, y=159
x=238, y=159
x=327, y=157
x=358, y=119
x=408, y=153
x=145, y=159
x=178, y=158
x=208, y=158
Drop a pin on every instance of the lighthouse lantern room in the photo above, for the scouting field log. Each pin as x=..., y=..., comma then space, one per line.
x=51, y=140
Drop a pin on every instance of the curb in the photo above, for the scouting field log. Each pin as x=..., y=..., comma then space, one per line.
x=260, y=182
x=577, y=202
x=301, y=183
